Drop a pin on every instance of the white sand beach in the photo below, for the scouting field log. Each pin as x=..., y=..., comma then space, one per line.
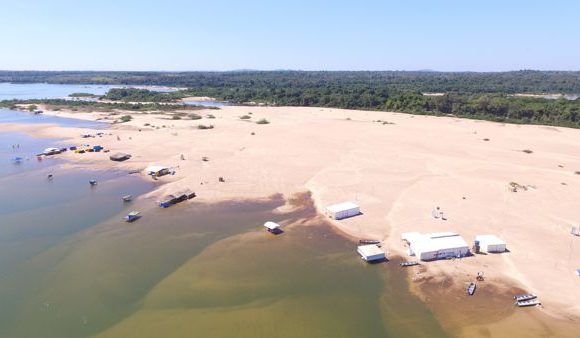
x=397, y=167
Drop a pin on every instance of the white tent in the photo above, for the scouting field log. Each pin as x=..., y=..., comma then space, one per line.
x=342, y=210
x=490, y=243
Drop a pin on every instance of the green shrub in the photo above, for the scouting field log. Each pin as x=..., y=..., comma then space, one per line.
x=245, y=117
x=195, y=116
x=125, y=118
x=262, y=121
x=203, y=126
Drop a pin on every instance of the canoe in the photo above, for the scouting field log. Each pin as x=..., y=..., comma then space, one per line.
x=531, y=302
x=524, y=297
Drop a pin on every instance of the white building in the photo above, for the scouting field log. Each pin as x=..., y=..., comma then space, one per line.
x=371, y=253
x=434, y=246
x=490, y=243
x=342, y=210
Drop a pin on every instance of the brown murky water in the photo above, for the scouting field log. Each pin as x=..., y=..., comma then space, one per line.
x=211, y=270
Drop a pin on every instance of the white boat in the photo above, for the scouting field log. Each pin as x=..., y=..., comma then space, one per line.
x=51, y=151
x=127, y=198
x=524, y=297
x=531, y=302
x=272, y=227
x=132, y=216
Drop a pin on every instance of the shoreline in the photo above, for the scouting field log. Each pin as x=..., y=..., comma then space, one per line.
x=227, y=157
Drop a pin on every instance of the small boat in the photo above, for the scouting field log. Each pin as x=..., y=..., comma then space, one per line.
x=273, y=228
x=17, y=160
x=471, y=288
x=525, y=297
x=531, y=302
x=406, y=264
x=369, y=241
x=127, y=198
x=93, y=182
x=132, y=216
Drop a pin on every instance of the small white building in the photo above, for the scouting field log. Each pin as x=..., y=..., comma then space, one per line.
x=342, y=210
x=441, y=245
x=371, y=253
x=490, y=243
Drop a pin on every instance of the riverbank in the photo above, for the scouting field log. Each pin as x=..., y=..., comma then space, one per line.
x=398, y=167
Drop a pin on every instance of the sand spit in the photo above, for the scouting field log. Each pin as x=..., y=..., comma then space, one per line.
x=397, y=167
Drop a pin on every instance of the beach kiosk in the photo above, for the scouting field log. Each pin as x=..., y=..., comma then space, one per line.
x=272, y=227
x=342, y=210
x=490, y=244
x=371, y=253
x=157, y=170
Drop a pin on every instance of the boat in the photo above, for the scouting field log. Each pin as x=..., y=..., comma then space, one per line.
x=93, y=182
x=132, y=216
x=530, y=302
x=471, y=288
x=51, y=151
x=177, y=197
x=369, y=241
x=525, y=297
x=406, y=264
x=17, y=160
x=127, y=198
x=273, y=228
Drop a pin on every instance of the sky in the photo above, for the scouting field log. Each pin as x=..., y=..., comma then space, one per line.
x=179, y=35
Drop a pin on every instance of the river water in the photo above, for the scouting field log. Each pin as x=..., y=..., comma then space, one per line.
x=70, y=267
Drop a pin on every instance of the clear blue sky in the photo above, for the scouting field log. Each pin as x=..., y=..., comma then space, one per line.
x=454, y=35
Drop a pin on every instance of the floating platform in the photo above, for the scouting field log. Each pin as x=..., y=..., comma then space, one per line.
x=371, y=253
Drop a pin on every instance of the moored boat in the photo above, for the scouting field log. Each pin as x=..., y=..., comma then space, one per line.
x=127, y=198
x=531, y=302
x=412, y=263
x=93, y=182
x=525, y=297
x=132, y=216
x=471, y=288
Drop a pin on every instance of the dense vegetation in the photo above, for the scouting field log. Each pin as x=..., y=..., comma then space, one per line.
x=60, y=104
x=138, y=95
x=473, y=95
x=274, y=83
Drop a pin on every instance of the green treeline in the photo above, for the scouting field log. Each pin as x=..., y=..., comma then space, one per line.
x=472, y=95
x=137, y=95
x=275, y=83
